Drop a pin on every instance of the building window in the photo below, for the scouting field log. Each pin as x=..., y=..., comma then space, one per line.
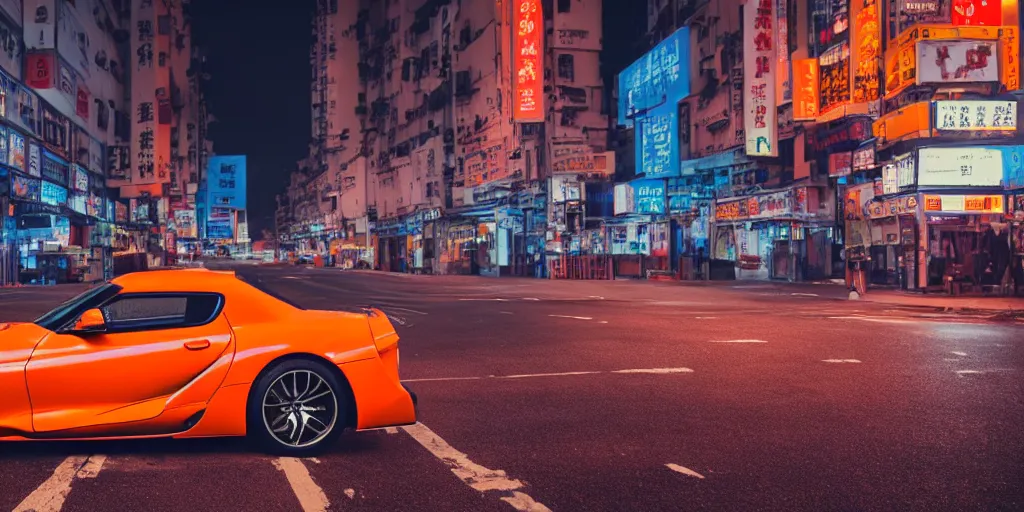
x=566, y=67
x=563, y=5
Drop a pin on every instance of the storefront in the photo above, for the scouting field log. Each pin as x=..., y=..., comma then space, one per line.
x=775, y=235
x=1016, y=219
x=967, y=244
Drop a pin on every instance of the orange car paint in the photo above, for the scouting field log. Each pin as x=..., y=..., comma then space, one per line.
x=149, y=383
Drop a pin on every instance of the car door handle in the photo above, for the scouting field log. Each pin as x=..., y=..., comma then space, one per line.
x=197, y=345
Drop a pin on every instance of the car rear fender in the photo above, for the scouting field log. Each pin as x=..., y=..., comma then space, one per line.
x=384, y=336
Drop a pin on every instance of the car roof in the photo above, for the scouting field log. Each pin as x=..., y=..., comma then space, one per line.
x=245, y=304
x=177, y=280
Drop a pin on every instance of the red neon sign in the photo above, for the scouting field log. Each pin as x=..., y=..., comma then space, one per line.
x=977, y=13
x=528, y=66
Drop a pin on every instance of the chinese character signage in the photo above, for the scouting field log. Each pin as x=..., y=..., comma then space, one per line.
x=960, y=167
x=658, y=78
x=805, y=89
x=759, y=62
x=226, y=182
x=52, y=194
x=35, y=160
x=944, y=62
x=23, y=187
x=986, y=13
x=658, y=148
x=965, y=204
x=834, y=78
x=40, y=23
x=978, y=115
x=40, y=70
x=528, y=61
x=868, y=48
x=1010, y=56
x=648, y=197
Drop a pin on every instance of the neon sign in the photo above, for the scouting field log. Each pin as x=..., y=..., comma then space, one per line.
x=528, y=67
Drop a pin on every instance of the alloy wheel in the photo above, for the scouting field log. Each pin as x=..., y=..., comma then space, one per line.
x=300, y=409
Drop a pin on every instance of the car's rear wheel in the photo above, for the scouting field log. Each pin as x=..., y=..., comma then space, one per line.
x=296, y=408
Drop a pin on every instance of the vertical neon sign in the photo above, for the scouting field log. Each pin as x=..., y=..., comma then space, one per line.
x=528, y=64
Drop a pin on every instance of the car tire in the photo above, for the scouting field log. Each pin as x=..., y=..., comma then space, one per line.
x=296, y=408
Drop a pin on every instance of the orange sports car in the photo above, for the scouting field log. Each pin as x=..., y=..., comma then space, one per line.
x=199, y=353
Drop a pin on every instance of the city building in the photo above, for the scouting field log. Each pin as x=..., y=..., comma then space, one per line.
x=437, y=158
x=103, y=137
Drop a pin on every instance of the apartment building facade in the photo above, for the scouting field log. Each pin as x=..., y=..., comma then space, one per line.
x=101, y=130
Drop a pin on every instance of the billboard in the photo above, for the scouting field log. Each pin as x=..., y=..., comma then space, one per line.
x=957, y=61
x=657, y=150
x=225, y=181
x=40, y=24
x=760, y=116
x=220, y=224
x=660, y=77
x=528, y=61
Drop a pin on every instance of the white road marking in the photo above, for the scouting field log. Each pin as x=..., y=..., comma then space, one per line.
x=391, y=430
x=706, y=317
x=526, y=376
x=653, y=371
x=442, y=378
x=805, y=295
x=598, y=297
x=92, y=467
x=351, y=493
x=603, y=322
x=314, y=460
x=740, y=341
x=686, y=471
x=980, y=372
x=485, y=300
x=840, y=361
x=961, y=354
x=311, y=496
x=507, y=313
x=474, y=475
x=572, y=317
x=50, y=495
x=531, y=298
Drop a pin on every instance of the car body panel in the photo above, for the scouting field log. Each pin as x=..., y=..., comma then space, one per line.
x=118, y=377
x=149, y=384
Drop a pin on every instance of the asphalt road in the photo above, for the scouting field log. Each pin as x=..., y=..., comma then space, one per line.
x=626, y=396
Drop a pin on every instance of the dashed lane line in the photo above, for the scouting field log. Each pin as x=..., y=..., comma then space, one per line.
x=649, y=371
x=686, y=471
x=481, y=479
x=51, y=494
x=311, y=496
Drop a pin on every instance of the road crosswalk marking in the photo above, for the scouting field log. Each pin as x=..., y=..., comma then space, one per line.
x=51, y=494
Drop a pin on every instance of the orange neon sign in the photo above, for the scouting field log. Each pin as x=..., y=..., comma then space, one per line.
x=805, y=89
x=528, y=64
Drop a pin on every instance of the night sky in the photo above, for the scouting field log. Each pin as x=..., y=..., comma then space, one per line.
x=258, y=59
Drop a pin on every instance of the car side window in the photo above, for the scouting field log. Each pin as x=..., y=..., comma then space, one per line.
x=161, y=311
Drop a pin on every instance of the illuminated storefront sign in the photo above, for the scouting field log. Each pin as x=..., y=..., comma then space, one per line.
x=892, y=207
x=973, y=116
x=1009, y=50
x=773, y=205
x=868, y=48
x=965, y=204
x=834, y=77
x=960, y=167
x=840, y=164
x=528, y=27
x=910, y=122
x=946, y=62
x=783, y=79
x=659, y=77
x=977, y=13
x=805, y=89
x=760, y=111
x=905, y=176
x=865, y=158
x=51, y=194
x=890, y=177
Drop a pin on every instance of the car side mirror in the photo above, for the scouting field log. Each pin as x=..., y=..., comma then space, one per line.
x=90, y=322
